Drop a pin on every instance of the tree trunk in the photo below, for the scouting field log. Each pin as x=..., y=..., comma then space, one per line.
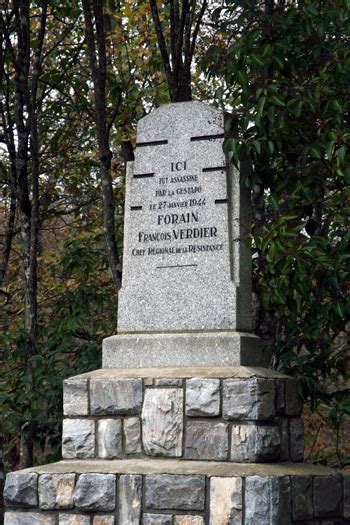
x=26, y=116
x=26, y=445
x=177, y=56
x=128, y=151
x=2, y=478
x=97, y=59
x=8, y=236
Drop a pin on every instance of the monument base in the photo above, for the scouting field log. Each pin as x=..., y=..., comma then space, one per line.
x=188, y=349
x=172, y=492
x=238, y=414
x=180, y=446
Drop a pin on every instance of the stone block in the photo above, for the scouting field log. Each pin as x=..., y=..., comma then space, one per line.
x=346, y=482
x=73, y=519
x=21, y=489
x=252, y=399
x=280, y=396
x=189, y=520
x=56, y=491
x=328, y=496
x=255, y=444
x=302, y=500
x=109, y=438
x=95, y=492
x=294, y=402
x=75, y=397
x=296, y=439
x=206, y=440
x=283, y=426
x=130, y=494
x=167, y=381
x=268, y=501
x=202, y=397
x=226, y=501
x=132, y=435
x=166, y=491
x=115, y=396
x=78, y=438
x=28, y=518
x=157, y=519
x=198, y=349
x=104, y=520
x=162, y=422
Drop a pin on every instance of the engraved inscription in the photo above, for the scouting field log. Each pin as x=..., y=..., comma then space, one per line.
x=181, y=213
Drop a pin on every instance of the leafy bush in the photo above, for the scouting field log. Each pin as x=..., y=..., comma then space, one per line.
x=77, y=308
x=286, y=72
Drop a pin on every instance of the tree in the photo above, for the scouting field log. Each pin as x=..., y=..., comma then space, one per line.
x=76, y=300
x=285, y=72
x=33, y=123
x=177, y=54
x=25, y=177
x=95, y=16
x=2, y=478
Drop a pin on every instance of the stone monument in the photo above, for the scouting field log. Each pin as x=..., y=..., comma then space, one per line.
x=186, y=294
x=183, y=425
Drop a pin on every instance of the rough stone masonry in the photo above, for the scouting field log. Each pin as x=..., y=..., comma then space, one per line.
x=183, y=425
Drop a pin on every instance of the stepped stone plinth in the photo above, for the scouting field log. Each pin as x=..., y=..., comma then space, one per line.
x=183, y=425
x=158, y=491
x=237, y=414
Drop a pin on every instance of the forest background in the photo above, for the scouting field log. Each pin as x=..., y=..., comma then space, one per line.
x=74, y=79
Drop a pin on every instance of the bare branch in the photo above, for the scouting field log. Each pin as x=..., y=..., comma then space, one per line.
x=161, y=42
x=196, y=30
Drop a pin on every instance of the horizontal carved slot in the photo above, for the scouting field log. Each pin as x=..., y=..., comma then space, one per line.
x=143, y=175
x=208, y=137
x=134, y=208
x=215, y=168
x=152, y=143
x=178, y=266
x=221, y=201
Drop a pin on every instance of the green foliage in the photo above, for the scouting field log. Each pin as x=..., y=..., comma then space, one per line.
x=77, y=308
x=287, y=73
x=76, y=302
